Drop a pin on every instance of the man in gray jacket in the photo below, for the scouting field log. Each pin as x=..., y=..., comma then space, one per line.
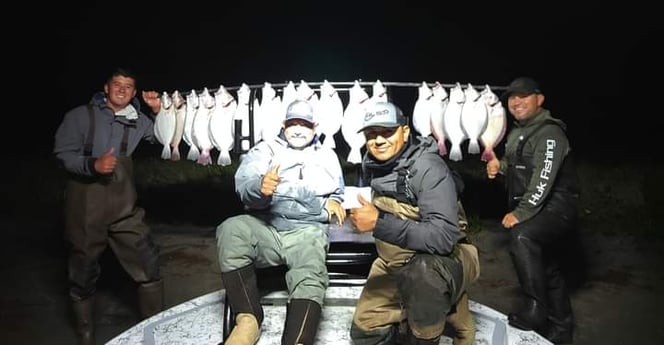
x=424, y=265
x=94, y=144
x=292, y=188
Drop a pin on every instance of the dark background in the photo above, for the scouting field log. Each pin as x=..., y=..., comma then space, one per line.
x=599, y=65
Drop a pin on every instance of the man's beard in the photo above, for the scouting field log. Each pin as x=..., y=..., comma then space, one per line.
x=299, y=139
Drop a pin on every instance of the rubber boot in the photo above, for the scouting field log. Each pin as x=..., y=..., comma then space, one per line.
x=151, y=298
x=560, y=328
x=245, y=332
x=243, y=296
x=527, y=258
x=84, y=320
x=463, y=322
x=560, y=331
x=302, y=319
x=412, y=340
x=389, y=335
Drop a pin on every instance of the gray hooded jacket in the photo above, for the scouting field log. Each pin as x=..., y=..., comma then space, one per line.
x=309, y=177
x=418, y=177
x=72, y=134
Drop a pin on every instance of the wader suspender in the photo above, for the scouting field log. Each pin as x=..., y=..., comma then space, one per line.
x=517, y=180
x=565, y=182
x=519, y=148
x=87, y=148
x=404, y=174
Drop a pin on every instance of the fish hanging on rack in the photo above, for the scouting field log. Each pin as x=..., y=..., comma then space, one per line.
x=200, y=131
x=496, y=123
x=329, y=113
x=378, y=92
x=191, y=107
x=307, y=94
x=352, y=122
x=452, y=122
x=271, y=112
x=220, y=125
x=422, y=110
x=180, y=113
x=164, y=126
x=473, y=118
x=438, y=103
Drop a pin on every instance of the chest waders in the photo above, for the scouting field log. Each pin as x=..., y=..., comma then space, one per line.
x=100, y=211
x=547, y=307
x=410, y=294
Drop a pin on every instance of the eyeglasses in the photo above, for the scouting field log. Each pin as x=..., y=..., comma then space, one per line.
x=372, y=133
x=299, y=122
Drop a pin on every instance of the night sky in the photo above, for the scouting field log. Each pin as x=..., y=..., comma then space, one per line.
x=600, y=67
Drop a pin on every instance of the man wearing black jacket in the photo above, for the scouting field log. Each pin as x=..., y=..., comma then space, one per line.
x=543, y=197
x=424, y=265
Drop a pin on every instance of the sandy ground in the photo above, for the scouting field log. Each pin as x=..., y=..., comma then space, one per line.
x=618, y=297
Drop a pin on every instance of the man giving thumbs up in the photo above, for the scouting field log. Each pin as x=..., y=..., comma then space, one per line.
x=291, y=186
x=419, y=279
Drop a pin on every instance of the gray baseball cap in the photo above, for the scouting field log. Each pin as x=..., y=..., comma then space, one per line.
x=300, y=110
x=383, y=114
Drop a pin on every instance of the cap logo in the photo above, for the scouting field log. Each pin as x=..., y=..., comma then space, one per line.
x=370, y=115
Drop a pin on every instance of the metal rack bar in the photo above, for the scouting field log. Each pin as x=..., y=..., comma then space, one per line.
x=347, y=85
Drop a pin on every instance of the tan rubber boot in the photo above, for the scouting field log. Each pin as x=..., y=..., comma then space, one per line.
x=463, y=322
x=245, y=332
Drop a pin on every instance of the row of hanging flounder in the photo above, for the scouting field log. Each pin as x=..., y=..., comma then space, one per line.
x=206, y=121
x=459, y=115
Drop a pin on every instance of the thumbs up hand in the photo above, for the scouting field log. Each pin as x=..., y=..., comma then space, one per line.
x=105, y=164
x=270, y=181
x=492, y=168
x=364, y=217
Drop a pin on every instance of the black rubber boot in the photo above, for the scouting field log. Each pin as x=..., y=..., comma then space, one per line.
x=528, y=263
x=242, y=291
x=531, y=317
x=302, y=319
x=150, y=298
x=390, y=335
x=244, y=299
x=84, y=320
x=560, y=328
x=560, y=331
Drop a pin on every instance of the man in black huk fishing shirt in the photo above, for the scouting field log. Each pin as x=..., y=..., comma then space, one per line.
x=543, y=195
x=424, y=265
